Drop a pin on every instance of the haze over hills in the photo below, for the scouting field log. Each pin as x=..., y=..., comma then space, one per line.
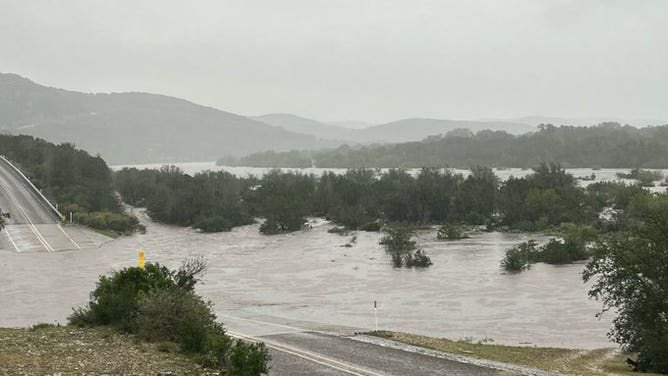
x=404, y=130
x=137, y=127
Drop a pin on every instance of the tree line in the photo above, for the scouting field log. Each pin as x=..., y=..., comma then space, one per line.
x=608, y=145
x=362, y=199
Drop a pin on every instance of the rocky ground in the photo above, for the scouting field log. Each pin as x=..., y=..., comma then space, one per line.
x=91, y=351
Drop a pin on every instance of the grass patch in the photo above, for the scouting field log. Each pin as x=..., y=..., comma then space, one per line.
x=569, y=361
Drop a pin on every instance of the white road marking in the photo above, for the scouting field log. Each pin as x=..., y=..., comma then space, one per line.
x=11, y=240
x=348, y=368
x=68, y=237
x=31, y=225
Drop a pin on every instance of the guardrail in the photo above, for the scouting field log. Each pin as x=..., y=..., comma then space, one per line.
x=33, y=188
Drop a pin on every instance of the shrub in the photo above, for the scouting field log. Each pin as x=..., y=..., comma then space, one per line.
x=114, y=300
x=418, y=260
x=451, y=232
x=374, y=226
x=561, y=252
x=520, y=258
x=174, y=314
x=398, y=238
x=119, y=222
x=159, y=305
x=248, y=359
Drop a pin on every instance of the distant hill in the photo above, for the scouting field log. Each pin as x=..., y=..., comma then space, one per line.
x=312, y=127
x=137, y=127
x=417, y=129
x=398, y=131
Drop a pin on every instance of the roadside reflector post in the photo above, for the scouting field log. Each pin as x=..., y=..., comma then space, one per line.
x=141, y=259
x=375, y=313
x=70, y=217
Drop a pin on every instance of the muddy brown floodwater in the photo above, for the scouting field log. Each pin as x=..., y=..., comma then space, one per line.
x=310, y=277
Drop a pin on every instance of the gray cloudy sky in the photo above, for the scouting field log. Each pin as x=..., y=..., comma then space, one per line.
x=353, y=59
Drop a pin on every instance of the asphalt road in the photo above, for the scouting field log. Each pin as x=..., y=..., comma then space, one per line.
x=312, y=349
x=32, y=226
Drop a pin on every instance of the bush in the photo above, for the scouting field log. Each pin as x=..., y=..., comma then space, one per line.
x=418, y=260
x=214, y=224
x=398, y=238
x=561, y=252
x=248, y=359
x=374, y=226
x=520, y=258
x=451, y=232
x=398, y=243
x=114, y=300
x=174, y=314
x=159, y=305
x=119, y=222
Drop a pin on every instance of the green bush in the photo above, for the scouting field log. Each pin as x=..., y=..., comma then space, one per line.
x=119, y=222
x=418, y=260
x=561, y=252
x=398, y=238
x=159, y=305
x=174, y=314
x=374, y=226
x=248, y=359
x=520, y=258
x=451, y=232
x=115, y=298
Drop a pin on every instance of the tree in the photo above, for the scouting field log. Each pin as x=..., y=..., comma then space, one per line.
x=629, y=274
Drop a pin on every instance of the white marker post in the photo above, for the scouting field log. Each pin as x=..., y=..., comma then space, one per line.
x=375, y=312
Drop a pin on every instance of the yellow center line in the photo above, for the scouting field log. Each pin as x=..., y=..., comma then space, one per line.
x=31, y=225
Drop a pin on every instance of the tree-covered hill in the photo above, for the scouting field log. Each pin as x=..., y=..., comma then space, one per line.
x=608, y=145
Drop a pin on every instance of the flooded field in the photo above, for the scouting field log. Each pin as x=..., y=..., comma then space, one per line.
x=310, y=277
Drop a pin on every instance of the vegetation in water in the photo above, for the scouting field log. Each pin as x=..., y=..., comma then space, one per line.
x=645, y=178
x=398, y=243
x=451, y=231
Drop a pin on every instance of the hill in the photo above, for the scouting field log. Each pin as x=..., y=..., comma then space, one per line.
x=312, y=127
x=137, y=127
x=608, y=145
x=404, y=130
x=416, y=129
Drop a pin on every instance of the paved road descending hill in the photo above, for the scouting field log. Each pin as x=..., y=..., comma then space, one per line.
x=32, y=226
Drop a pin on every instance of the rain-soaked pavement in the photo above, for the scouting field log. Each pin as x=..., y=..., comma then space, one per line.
x=308, y=280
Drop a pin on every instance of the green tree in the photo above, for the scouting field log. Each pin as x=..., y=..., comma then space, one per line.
x=629, y=275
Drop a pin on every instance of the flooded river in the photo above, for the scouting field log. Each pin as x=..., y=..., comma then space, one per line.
x=310, y=277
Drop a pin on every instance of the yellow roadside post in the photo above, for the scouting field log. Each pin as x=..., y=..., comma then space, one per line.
x=141, y=259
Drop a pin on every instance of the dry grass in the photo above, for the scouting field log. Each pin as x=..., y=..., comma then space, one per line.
x=87, y=351
x=568, y=361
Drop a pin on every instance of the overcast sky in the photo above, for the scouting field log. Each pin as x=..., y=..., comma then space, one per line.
x=373, y=61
